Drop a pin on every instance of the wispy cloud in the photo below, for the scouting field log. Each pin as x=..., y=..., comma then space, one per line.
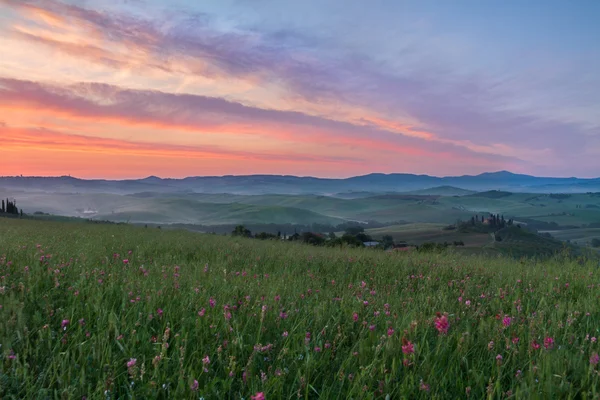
x=45, y=139
x=342, y=98
x=100, y=102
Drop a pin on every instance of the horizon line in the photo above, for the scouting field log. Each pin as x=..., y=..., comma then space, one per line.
x=294, y=176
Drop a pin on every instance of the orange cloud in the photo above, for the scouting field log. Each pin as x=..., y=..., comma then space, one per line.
x=33, y=140
x=41, y=152
x=101, y=106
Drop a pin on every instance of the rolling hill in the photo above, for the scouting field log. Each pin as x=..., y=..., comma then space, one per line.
x=283, y=184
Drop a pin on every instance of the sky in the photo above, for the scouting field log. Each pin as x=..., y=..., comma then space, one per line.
x=131, y=88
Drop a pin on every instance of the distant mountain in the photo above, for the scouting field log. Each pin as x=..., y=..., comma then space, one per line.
x=287, y=184
x=442, y=191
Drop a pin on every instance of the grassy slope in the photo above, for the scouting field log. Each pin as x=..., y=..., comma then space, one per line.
x=224, y=208
x=518, y=242
x=580, y=236
x=85, y=279
x=420, y=233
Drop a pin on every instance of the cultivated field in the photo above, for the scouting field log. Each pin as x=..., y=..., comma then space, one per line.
x=102, y=311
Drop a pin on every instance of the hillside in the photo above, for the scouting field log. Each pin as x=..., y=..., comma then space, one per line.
x=183, y=315
x=519, y=242
x=294, y=185
x=442, y=191
x=544, y=212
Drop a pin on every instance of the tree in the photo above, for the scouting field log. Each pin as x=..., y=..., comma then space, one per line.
x=363, y=237
x=351, y=240
x=241, y=230
x=595, y=242
x=264, y=236
x=2, y=209
x=387, y=241
x=294, y=237
x=313, y=238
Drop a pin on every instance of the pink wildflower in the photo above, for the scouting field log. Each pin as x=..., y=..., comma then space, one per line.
x=194, y=386
x=355, y=317
x=212, y=302
x=390, y=331
x=407, y=346
x=506, y=321
x=535, y=345
x=258, y=396
x=594, y=359
x=548, y=342
x=131, y=363
x=442, y=324
x=206, y=360
x=64, y=323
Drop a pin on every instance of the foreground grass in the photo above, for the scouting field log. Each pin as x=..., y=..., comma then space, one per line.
x=102, y=311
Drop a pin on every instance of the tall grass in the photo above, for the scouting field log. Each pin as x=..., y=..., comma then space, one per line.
x=100, y=311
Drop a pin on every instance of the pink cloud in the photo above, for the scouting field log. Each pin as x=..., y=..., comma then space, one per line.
x=199, y=114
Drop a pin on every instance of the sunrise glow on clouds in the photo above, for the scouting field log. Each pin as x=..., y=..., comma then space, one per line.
x=131, y=88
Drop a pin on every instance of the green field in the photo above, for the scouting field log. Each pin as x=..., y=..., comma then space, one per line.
x=582, y=236
x=417, y=234
x=107, y=311
x=217, y=209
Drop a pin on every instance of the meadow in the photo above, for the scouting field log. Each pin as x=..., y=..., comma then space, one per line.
x=117, y=312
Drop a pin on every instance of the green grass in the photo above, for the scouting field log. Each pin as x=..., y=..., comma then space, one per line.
x=52, y=272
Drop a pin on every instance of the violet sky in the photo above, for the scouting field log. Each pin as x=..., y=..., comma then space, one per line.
x=131, y=88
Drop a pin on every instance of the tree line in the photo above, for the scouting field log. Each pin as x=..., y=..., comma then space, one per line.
x=353, y=236
x=10, y=207
x=491, y=223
